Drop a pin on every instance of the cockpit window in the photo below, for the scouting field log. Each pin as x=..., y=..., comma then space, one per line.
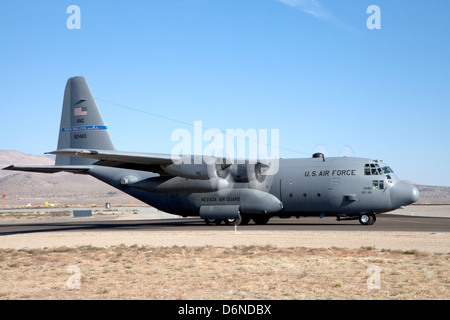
x=375, y=170
x=387, y=169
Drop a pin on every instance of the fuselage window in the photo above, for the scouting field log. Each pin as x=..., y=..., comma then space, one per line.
x=377, y=184
x=374, y=184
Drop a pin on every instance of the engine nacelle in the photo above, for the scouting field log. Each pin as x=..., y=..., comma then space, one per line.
x=240, y=173
x=243, y=172
x=128, y=180
x=188, y=171
x=179, y=184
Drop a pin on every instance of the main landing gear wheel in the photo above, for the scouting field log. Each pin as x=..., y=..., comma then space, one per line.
x=213, y=221
x=245, y=220
x=236, y=221
x=367, y=219
x=232, y=221
x=218, y=222
x=261, y=220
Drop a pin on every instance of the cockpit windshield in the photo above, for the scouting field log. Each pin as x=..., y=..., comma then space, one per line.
x=373, y=169
x=387, y=169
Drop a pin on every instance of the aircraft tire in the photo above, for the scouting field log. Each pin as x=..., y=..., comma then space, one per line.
x=233, y=221
x=261, y=220
x=245, y=220
x=367, y=219
x=213, y=221
x=209, y=221
x=237, y=221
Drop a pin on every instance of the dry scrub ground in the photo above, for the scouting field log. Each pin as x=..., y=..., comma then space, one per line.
x=244, y=272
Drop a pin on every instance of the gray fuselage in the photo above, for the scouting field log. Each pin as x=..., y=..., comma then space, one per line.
x=337, y=186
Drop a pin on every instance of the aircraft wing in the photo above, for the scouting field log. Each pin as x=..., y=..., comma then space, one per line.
x=50, y=169
x=128, y=160
x=118, y=159
x=116, y=156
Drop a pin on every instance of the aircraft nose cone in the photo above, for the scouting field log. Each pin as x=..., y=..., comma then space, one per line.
x=403, y=194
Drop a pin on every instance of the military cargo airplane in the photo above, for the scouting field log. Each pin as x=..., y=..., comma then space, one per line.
x=343, y=187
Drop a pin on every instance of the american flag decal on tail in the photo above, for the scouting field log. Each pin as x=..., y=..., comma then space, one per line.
x=80, y=111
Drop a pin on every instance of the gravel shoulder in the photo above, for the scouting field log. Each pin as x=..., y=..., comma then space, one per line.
x=421, y=241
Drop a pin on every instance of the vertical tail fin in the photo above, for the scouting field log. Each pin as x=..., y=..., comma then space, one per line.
x=82, y=125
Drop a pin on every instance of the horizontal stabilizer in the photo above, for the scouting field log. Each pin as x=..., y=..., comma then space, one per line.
x=50, y=169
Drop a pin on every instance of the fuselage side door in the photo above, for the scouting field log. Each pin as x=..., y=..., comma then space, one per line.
x=290, y=190
x=289, y=195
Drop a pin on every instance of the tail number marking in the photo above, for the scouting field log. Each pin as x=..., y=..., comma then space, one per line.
x=80, y=136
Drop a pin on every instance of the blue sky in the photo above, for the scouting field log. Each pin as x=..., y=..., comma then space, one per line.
x=309, y=68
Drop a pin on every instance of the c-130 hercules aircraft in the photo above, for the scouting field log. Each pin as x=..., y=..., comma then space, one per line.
x=344, y=187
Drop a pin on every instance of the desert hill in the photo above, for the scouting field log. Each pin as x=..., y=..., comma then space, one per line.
x=8, y=157
x=433, y=194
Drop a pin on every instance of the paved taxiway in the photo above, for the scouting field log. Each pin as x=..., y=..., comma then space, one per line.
x=385, y=222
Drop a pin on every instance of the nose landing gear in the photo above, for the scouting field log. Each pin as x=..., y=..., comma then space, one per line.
x=367, y=219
